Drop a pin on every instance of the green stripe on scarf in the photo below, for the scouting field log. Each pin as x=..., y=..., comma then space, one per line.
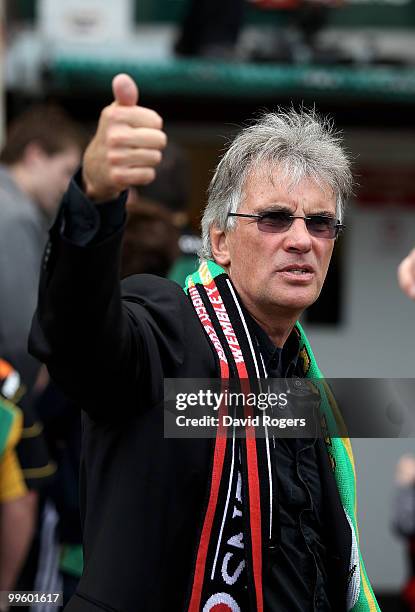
x=344, y=473
x=339, y=449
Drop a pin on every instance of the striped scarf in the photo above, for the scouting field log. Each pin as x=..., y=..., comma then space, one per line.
x=238, y=518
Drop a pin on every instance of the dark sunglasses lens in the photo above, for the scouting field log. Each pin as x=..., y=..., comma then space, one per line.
x=322, y=227
x=274, y=223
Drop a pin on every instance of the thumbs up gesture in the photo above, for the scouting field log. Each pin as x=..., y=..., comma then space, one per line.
x=127, y=145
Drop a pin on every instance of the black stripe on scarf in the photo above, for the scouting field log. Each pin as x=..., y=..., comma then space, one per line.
x=254, y=473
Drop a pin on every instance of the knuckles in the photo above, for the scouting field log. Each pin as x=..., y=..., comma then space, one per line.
x=148, y=176
x=158, y=121
x=108, y=113
x=114, y=157
x=117, y=178
x=115, y=137
x=122, y=178
x=164, y=140
x=406, y=274
x=134, y=115
x=157, y=157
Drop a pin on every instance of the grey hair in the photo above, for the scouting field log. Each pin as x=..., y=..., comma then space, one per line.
x=301, y=143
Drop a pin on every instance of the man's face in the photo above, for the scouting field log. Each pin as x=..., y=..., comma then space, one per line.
x=53, y=173
x=261, y=265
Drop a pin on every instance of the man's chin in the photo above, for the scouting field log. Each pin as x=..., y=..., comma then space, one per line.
x=297, y=302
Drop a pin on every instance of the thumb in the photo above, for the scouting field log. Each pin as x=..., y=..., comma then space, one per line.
x=125, y=90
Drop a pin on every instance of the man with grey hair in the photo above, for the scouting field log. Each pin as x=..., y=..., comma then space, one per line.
x=241, y=524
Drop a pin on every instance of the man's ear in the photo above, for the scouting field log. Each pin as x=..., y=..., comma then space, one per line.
x=220, y=248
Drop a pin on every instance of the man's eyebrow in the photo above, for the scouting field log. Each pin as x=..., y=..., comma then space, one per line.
x=324, y=213
x=274, y=208
x=286, y=209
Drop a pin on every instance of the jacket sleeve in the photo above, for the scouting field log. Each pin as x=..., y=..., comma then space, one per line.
x=94, y=345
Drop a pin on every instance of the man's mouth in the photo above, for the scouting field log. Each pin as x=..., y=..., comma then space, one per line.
x=298, y=269
x=299, y=272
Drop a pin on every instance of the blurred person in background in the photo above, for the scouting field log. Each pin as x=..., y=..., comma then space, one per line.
x=37, y=470
x=62, y=431
x=16, y=519
x=17, y=502
x=150, y=243
x=42, y=150
x=170, y=190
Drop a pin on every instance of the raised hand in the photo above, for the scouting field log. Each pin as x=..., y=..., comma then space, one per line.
x=127, y=145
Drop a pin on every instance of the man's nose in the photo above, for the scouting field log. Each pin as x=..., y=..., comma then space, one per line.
x=298, y=237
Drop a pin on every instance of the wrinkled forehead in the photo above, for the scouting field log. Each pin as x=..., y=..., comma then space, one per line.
x=284, y=181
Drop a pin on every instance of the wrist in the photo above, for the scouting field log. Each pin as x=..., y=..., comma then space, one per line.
x=97, y=195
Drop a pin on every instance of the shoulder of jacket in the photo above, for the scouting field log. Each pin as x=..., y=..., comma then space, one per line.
x=148, y=284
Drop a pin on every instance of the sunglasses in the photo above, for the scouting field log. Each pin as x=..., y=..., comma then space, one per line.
x=279, y=221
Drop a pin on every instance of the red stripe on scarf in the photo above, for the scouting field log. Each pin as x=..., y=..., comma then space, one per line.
x=218, y=460
x=253, y=479
x=255, y=516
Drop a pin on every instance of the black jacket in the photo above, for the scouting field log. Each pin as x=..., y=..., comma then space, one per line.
x=142, y=496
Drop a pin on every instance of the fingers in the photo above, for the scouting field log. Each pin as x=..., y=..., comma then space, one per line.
x=132, y=166
x=123, y=177
x=134, y=116
x=125, y=90
x=132, y=157
x=122, y=137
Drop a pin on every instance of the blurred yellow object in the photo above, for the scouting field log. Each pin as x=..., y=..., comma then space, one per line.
x=12, y=484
